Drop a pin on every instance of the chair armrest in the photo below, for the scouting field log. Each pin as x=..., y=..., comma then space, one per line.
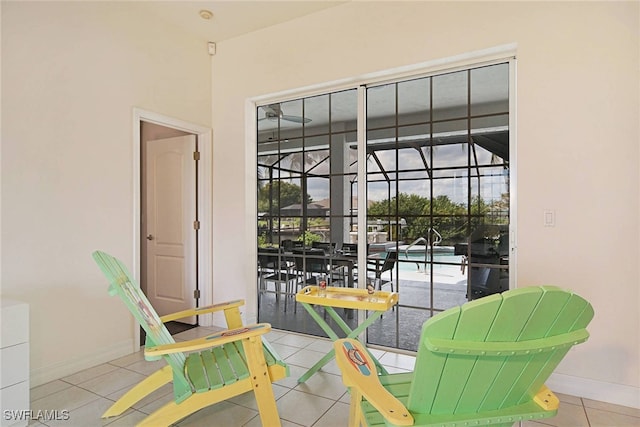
x=214, y=340
x=359, y=371
x=202, y=310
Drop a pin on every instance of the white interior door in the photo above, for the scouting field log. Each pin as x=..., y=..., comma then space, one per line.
x=171, y=267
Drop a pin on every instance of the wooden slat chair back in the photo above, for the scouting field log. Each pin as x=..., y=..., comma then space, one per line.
x=219, y=366
x=136, y=301
x=483, y=362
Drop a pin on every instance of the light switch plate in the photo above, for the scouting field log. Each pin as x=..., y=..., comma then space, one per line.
x=549, y=218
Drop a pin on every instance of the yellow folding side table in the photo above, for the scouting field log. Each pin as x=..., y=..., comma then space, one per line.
x=349, y=298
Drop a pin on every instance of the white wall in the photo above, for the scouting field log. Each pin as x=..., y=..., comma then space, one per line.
x=72, y=72
x=577, y=133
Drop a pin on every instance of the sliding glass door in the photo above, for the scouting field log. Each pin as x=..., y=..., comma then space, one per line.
x=307, y=187
x=436, y=181
x=438, y=193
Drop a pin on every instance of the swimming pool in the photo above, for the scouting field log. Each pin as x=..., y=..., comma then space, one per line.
x=419, y=258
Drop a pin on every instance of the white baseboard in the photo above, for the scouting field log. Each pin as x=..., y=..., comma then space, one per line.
x=617, y=394
x=218, y=320
x=49, y=373
x=250, y=317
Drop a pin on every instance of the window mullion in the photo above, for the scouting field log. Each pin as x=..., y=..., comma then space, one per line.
x=362, y=184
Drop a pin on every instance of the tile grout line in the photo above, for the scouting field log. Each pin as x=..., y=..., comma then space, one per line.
x=584, y=410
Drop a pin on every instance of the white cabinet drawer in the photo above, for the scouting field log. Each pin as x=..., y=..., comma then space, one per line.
x=15, y=323
x=15, y=403
x=15, y=364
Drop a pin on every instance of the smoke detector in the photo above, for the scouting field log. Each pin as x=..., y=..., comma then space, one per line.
x=205, y=14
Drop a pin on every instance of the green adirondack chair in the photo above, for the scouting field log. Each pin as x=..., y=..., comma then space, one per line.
x=204, y=371
x=483, y=363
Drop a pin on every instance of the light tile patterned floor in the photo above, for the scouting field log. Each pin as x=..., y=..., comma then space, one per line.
x=321, y=402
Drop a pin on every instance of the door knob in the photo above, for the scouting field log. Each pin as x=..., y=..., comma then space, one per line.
x=149, y=237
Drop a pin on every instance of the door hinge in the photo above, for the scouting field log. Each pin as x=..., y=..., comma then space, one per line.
x=196, y=155
x=196, y=225
x=196, y=294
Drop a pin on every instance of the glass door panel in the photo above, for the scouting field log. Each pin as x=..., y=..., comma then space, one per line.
x=437, y=188
x=438, y=194
x=307, y=204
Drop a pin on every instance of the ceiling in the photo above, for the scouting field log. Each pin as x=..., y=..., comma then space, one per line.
x=234, y=18
x=230, y=18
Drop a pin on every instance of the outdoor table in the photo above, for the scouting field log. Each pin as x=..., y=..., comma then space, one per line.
x=349, y=298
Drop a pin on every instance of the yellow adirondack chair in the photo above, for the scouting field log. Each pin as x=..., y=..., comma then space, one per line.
x=483, y=363
x=204, y=371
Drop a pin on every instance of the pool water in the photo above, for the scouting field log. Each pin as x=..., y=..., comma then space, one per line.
x=416, y=261
x=446, y=266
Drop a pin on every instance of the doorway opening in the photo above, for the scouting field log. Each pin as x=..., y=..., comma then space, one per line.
x=172, y=205
x=168, y=221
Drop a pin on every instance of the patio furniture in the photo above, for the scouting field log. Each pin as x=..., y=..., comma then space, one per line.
x=218, y=366
x=375, y=304
x=481, y=363
x=487, y=254
x=349, y=248
x=327, y=247
x=377, y=265
x=275, y=268
x=313, y=262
